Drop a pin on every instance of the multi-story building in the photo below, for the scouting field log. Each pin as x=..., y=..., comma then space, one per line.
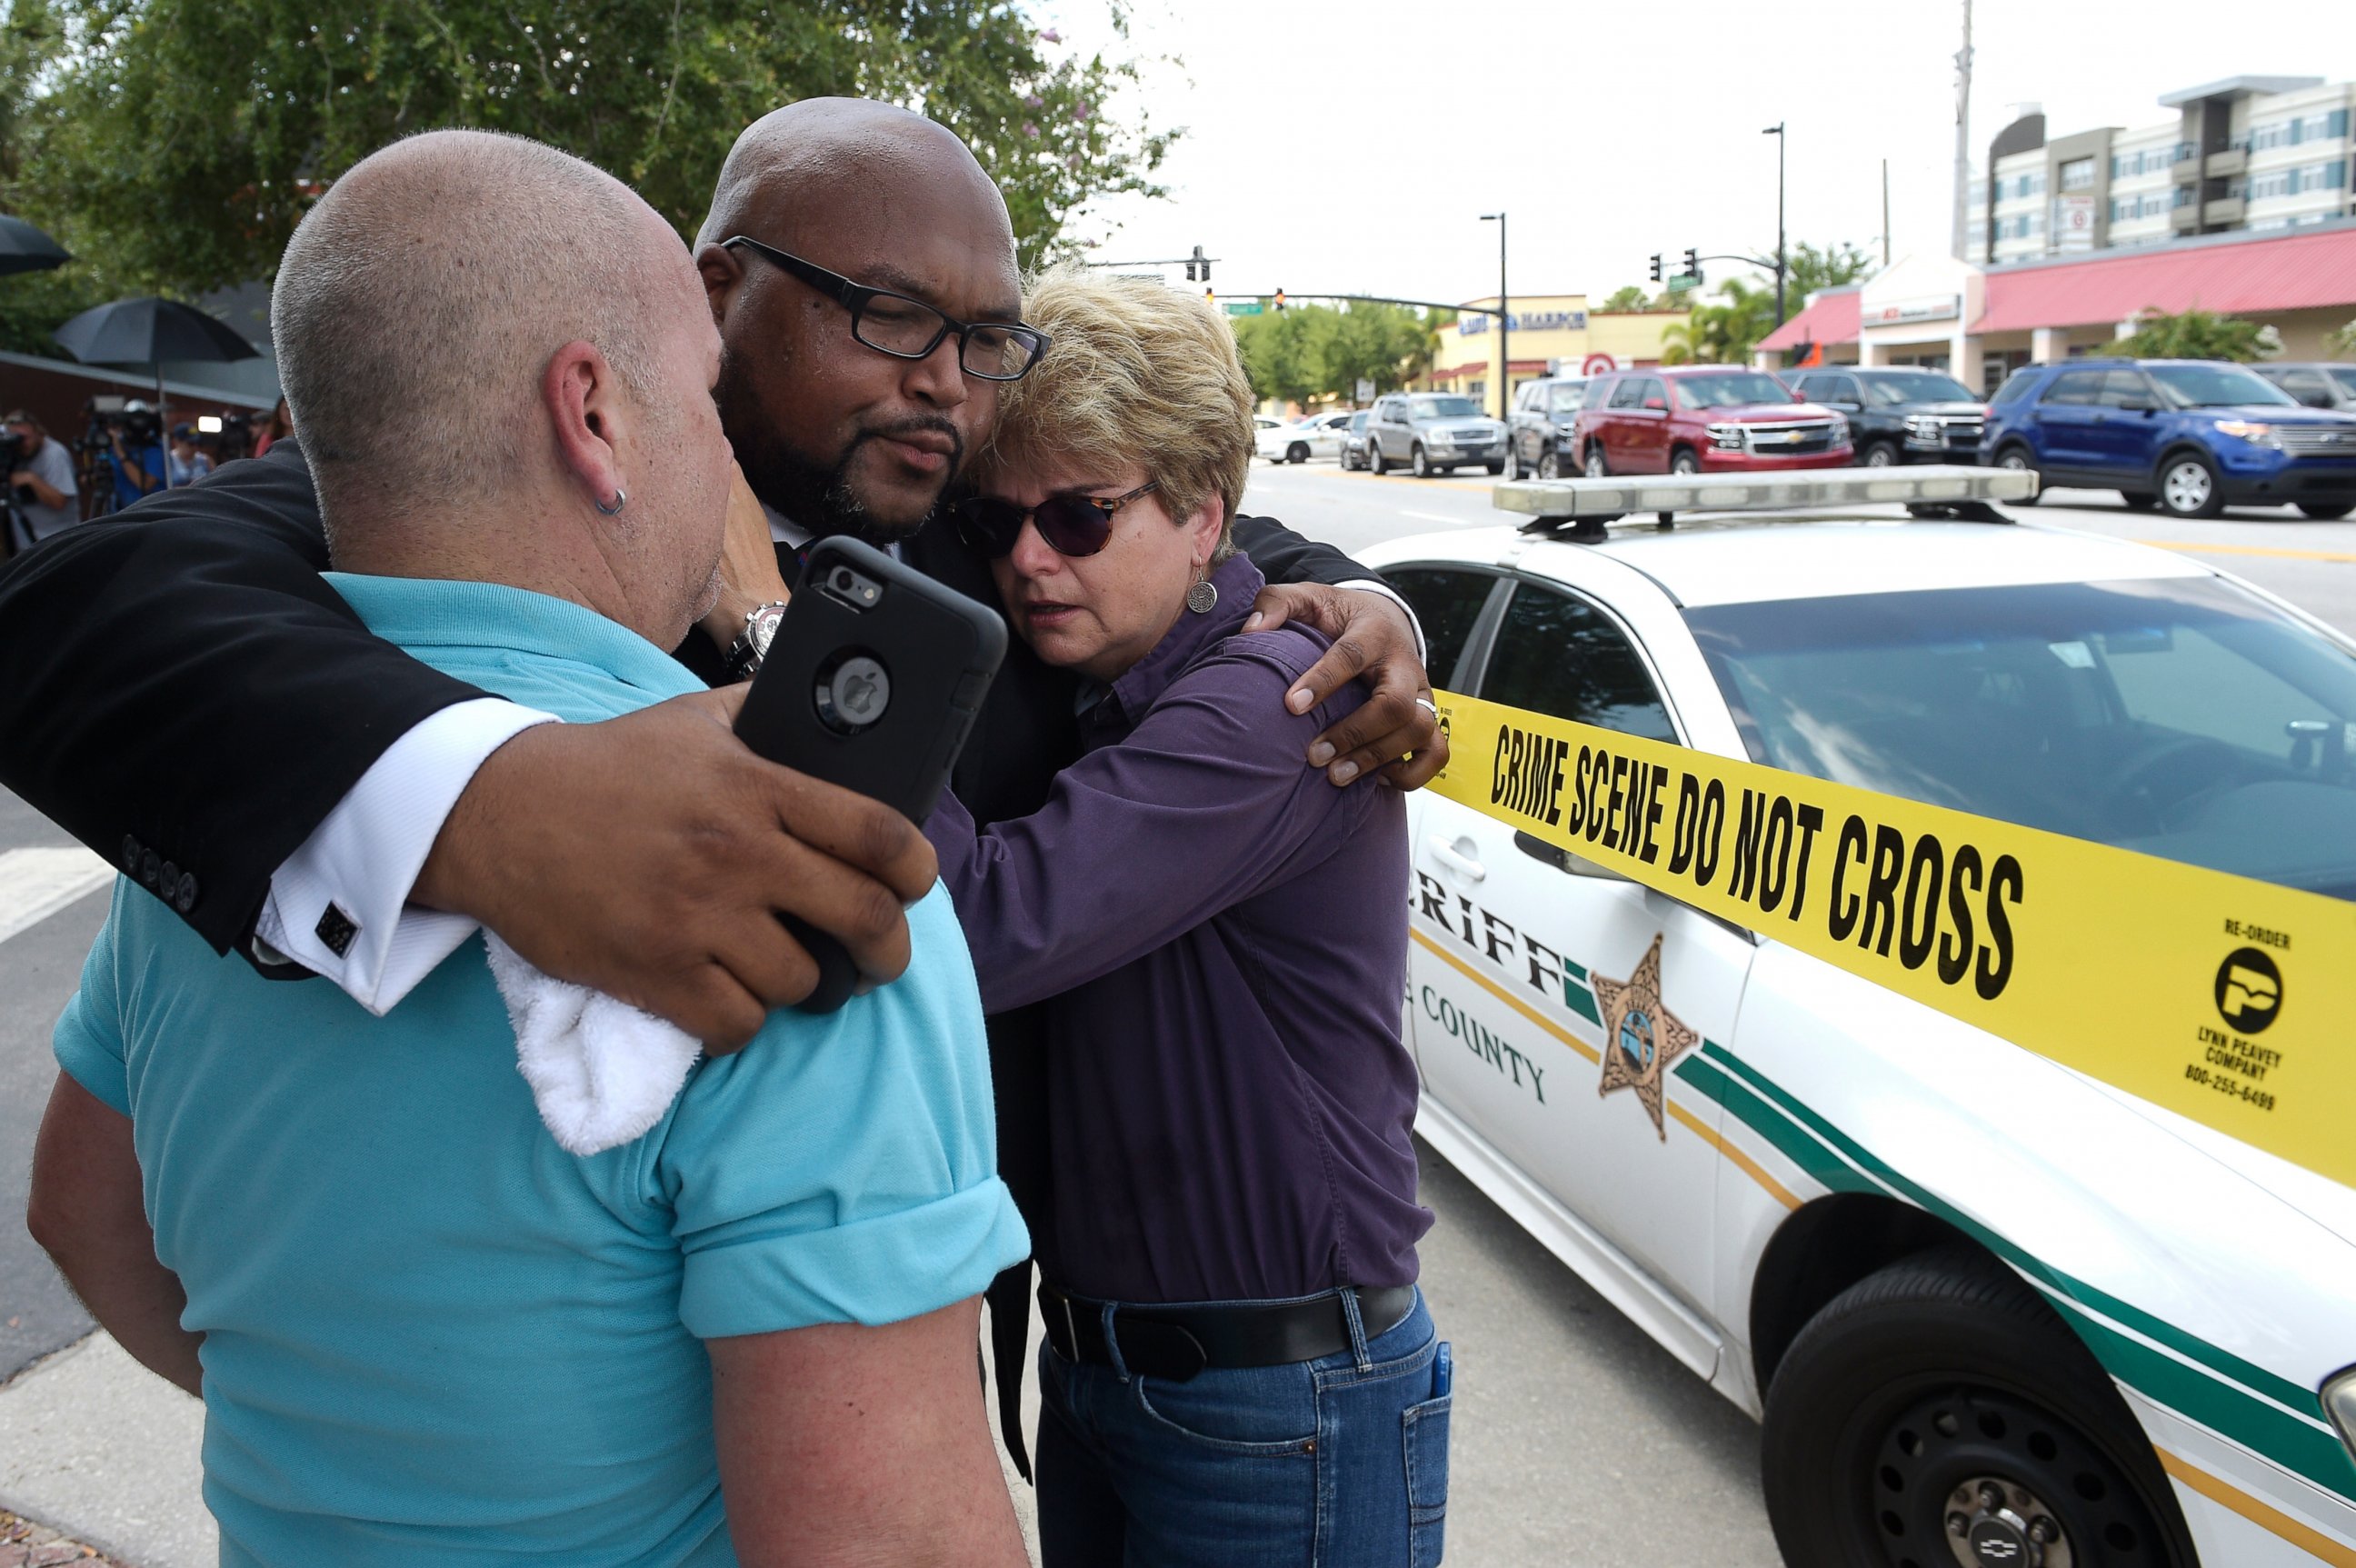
x=2247, y=153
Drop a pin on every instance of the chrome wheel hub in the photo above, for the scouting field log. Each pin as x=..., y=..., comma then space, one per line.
x=2186, y=487
x=1994, y=1523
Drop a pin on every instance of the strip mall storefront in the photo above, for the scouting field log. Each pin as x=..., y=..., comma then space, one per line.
x=1546, y=334
x=1980, y=325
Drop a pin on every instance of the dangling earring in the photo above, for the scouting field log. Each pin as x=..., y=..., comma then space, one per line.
x=1202, y=597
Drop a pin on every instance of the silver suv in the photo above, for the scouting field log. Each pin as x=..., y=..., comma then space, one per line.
x=1432, y=433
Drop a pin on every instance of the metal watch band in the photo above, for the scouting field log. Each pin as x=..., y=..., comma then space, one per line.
x=743, y=661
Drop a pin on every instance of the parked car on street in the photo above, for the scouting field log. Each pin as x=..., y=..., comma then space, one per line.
x=1703, y=419
x=1538, y=437
x=2190, y=436
x=1991, y=1311
x=1432, y=433
x=1312, y=435
x=1354, y=439
x=1897, y=414
x=2317, y=385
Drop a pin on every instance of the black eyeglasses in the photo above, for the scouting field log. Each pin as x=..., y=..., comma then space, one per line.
x=908, y=329
x=1072, y=526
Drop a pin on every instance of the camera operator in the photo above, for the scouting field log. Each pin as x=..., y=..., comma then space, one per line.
x=188, y=463
x=134, y=451
x=40, y=480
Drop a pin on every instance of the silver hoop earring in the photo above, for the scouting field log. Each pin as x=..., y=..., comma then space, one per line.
x=621, y=500
x=1202, y=597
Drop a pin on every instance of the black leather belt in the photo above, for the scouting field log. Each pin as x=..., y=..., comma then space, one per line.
x=1177, y=1342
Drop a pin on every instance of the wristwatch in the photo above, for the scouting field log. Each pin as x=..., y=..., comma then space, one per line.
x=743, y=658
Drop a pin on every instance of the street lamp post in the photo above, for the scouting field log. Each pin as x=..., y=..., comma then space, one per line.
x=1776, y=131
x=1505, y=365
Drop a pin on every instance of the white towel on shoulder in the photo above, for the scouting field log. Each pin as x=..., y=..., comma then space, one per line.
x=602, y=1072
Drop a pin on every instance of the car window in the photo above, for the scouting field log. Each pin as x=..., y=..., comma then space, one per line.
x=1629, y=393
x=2347, y=380
x=1893, y=387
x=2016, y=386
x=1841, y=389
x=1432, y=407
x=1731, y=388
x=2213, y=386
x=2075, y=387
x=1566, y=396
x=1597, y=391
x=1559, y=655
x=1447, y=601
x=1358, y=423
x=2308, y=386
x=2180, y=717
x=1818, y=388
x=2126, y=388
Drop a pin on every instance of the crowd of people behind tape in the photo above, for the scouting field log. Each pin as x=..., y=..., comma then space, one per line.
x=121, y=453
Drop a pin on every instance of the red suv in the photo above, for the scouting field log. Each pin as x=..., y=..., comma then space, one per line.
x=1703, y=419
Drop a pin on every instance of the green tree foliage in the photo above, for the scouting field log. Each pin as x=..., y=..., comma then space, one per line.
x=2195, y=335
x=2343, y=342
x=1623, y=301
x=183, y=138
x=1807, y=269
x=32, y=304
x=1723, y=332
x=1315, y=350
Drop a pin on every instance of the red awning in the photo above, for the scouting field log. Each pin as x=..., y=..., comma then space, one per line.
x=2298, y=272
x=1832, y=319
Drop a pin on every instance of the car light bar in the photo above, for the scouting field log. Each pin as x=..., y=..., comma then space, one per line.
x=1553, y=501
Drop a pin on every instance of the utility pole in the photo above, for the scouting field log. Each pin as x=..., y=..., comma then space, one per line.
x=1505, y=365
x=1776, y=131
x=1885, y=214
x=1963, y=138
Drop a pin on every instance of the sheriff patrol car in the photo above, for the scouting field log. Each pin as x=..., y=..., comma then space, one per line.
x=1992, y=1311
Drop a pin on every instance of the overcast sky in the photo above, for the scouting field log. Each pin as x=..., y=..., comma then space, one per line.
x=1351, y=147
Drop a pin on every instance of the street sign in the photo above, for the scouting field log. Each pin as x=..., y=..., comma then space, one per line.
x=1684, y=282
x=1245, y=307
x=1365, y=390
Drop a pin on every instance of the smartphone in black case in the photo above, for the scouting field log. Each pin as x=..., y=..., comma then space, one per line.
x=872, y=683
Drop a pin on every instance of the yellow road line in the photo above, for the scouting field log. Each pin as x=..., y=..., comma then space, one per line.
x=1748, y=1166
x=2190, y=548
x=2305, y=1537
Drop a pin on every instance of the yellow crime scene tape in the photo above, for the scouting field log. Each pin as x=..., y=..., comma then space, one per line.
x=2227, y=1000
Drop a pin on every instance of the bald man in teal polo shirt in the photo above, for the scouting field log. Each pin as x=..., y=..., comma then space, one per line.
x=423, y=1332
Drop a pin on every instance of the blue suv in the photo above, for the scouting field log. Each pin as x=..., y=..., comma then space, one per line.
x=2187, y=436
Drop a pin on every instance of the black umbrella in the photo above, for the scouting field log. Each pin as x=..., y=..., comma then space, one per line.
x=148, y=332
x=24, y=249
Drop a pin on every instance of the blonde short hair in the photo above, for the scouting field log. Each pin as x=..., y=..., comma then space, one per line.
x=1138, y=373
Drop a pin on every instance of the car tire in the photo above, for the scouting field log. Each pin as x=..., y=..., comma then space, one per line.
x=1684, y=461
x=1417, y=463
x=2325, y=511
x=2137, y=500
x=2188, y=486
x=1497, y=467
x=2017, y=458
x=1549, y=463
x=1297, y=452
x=1597, y=465
x=1375, y=464
x=1942, y=1386
x=1513, y=463
x=1877, y=454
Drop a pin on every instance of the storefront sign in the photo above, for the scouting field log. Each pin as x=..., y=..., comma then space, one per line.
x=1535, y=321
x=1933, y=307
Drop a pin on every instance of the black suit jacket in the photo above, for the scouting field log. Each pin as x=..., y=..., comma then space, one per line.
x=178, y=686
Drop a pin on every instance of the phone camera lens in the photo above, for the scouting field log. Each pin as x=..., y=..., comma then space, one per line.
x=844, y=582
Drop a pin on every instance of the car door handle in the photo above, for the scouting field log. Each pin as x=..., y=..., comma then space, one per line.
x=1455, y=860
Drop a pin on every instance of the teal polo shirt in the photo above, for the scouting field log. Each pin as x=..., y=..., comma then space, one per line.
x=433, y=1336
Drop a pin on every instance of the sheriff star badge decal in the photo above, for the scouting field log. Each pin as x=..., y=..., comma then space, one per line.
x=1640, y=1036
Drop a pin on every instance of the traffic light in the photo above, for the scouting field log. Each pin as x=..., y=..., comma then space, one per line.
x=1693, y=262
x=1190, y=272
x=1279, y=299
x=1656, y=266
x=1210, y=298
x=1202, y=261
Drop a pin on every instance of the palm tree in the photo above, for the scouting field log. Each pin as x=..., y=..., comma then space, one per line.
x=1722, y=334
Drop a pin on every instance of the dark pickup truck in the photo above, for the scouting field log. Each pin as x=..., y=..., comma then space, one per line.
x=1897, y=415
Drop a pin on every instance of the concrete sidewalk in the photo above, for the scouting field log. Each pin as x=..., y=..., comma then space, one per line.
x=97, y=1447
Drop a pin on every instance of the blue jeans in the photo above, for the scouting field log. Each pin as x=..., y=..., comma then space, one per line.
x=1336, y=1463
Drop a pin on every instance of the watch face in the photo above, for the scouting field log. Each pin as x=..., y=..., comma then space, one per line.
x=762, y=627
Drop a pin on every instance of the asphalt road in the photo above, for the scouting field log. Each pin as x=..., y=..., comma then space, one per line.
x=1576, y=1440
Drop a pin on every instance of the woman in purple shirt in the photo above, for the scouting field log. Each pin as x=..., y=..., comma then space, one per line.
x=1240, y=1371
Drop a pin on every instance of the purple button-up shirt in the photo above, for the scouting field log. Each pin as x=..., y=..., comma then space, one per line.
x=1224, y=936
